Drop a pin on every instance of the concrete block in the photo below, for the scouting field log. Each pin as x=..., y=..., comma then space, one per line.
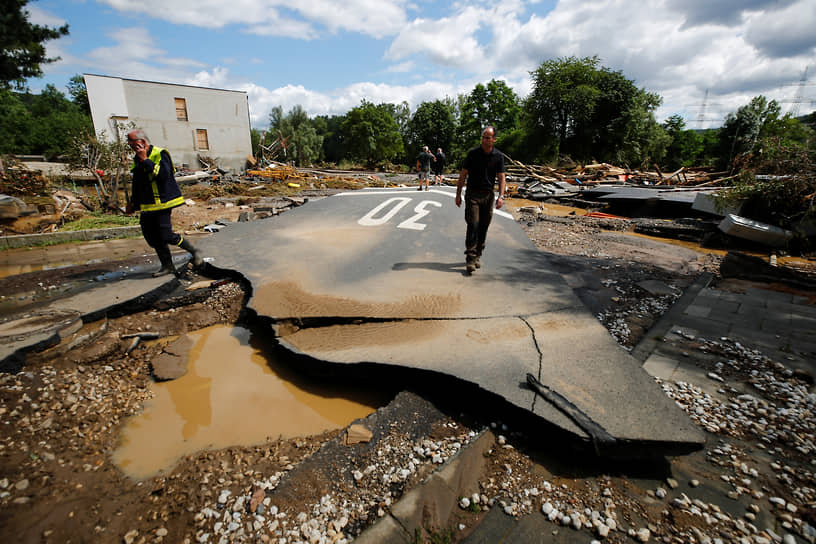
x=660, y=366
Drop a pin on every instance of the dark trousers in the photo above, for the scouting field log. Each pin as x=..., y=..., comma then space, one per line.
x=157, y=229
x=478, y=213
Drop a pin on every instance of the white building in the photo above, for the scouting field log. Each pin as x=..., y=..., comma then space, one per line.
x=187, y=121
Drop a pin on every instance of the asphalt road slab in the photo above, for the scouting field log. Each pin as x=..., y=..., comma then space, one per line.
x=378, y=276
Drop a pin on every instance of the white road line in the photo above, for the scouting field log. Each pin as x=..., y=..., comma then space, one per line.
x=366, y=192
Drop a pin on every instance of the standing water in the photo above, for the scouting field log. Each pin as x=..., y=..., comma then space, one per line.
x=231, y=395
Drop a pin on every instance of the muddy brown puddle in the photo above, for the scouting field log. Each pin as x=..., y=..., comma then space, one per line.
x=233, y=394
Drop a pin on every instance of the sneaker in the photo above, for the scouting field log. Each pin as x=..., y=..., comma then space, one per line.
x=477, y=263
x=470, y=268
x=426, y=187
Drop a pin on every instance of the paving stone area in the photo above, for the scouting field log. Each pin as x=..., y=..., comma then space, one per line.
x=779, y=324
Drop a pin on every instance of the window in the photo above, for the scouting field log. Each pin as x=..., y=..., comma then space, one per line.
x=181, y=109
x=201, y=139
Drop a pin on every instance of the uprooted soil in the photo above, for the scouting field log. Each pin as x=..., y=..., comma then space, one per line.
x=62, y=413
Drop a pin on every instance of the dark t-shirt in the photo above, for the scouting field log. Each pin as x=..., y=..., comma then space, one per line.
x=425, y=161
x=482, y=168
x=439, y=164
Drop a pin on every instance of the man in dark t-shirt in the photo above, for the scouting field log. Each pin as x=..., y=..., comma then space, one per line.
x=424, y=161
x=482, y=167
x=438, y=166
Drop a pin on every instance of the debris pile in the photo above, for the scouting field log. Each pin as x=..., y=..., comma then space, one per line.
x=277, y=171
x=600, y=173
x=16, y=179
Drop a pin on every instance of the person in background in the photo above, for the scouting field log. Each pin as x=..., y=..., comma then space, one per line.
x=154, y=194
x=438, y=166
x=424, y=161
x=482, y=167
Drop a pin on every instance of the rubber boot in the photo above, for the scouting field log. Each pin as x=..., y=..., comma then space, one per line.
x=198, y=260
x=166, y=260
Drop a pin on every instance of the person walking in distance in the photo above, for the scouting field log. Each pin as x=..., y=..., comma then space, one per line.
x=154, y=194
x=482, y=167
x=424, y=161
x=439, y=164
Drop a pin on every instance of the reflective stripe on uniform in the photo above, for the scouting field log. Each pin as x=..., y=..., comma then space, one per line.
x=155, y=156
x=163, y=205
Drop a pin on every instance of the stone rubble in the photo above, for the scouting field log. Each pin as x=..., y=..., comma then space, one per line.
x=335, y=519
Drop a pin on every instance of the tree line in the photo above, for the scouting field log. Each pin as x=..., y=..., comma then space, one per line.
x=578, y=110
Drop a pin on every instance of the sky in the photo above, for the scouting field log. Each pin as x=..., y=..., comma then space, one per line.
x=705, y=58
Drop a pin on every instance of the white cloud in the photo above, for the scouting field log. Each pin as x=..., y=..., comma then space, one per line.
x=784, y=33
x=449, y=41
x=721, y=12
x=129, y=56
x=305, y=19
x=660, y=52
x=402, y=67
x=338, y=101
x=39, y=16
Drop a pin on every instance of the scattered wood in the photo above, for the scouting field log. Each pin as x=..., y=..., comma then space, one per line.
x=142, y=335
x=133, y=345
x=595, y=173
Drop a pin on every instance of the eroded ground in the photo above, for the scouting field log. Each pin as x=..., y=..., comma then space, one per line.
x=61, y=415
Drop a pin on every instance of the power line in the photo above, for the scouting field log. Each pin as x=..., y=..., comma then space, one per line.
x=701, y=115
x=797, y=99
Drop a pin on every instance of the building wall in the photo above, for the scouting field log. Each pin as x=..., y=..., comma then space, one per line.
x=152, y=106
x=106, y=96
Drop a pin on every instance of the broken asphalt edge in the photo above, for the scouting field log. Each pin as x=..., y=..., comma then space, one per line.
x=437, y=497
x=453, y=390
x=655, y=335
x=13, y=357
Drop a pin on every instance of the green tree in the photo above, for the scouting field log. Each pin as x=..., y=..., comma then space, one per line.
x=742, y=130
x=493, y=104
x=686, y=146
x=107, y=160
x=42, y=123
x=21, y=44
x=372, y=134
x=56, y=120
x=563, y=99
x=334, y=144
x=304, y=141
x=590, y=112
x=79, y=94
x=255, y=140
x=15, y=129
x=432, y=124
x=401, y=113
x=639, y=139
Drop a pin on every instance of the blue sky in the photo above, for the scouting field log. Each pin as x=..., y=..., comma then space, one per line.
x=327, y=56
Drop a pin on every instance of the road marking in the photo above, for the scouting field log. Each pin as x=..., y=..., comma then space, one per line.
x=365, y=192
x=368, y=220
x=411, y=223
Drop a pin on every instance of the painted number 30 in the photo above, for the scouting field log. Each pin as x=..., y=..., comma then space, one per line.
x=397, y=203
